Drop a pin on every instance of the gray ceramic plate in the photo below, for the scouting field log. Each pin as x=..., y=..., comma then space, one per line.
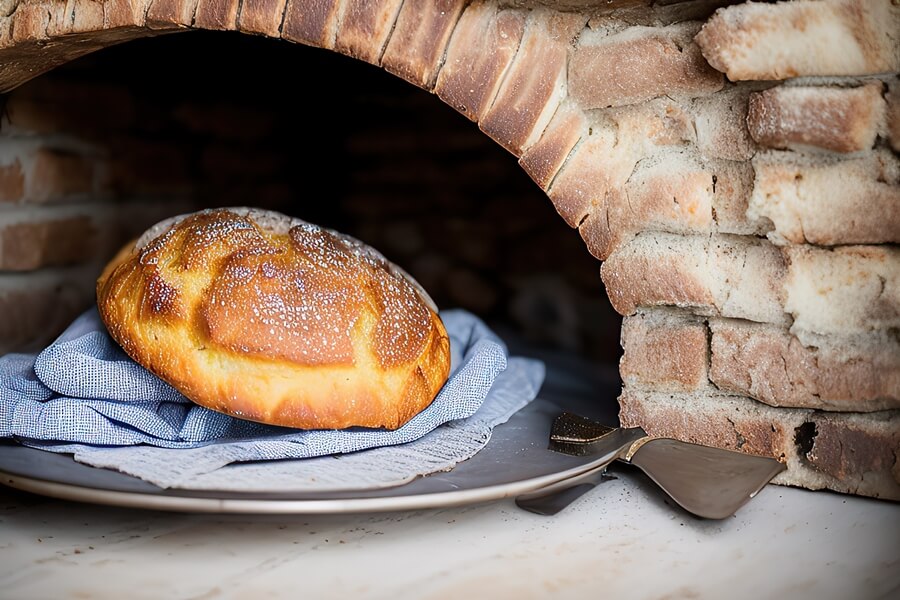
x=516, y=460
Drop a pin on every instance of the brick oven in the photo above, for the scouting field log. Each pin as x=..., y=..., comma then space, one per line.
x=744, y=200
x=101, y=148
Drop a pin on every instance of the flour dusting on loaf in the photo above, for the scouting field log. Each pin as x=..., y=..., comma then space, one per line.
x=276, y=320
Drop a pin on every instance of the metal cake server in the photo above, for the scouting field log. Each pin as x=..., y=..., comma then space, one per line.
x=708, y=482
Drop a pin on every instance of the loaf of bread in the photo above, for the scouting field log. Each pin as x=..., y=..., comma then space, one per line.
x=272, y=319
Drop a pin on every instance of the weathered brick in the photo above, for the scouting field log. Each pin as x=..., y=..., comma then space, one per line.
x=664, y=351
x=825, y=118
x=599, y=165
x=893, y=114
x=311, y=22
x=720, y=123
x=672, y=194
x=74, y=17
x=848, y=290
x=163, y=14
x=12, y=182
x=124, y=13
x=481, y=49
x=217, y=14
x=29, y=22
x=364, y=29
x=761, y=41
x=262, y=16
x=46, y=241
x=534, y=86
x=771, y=365
x=638, y=64
x=852, y=201
x=421, y=34
x=56, y=174
x=732, y=187
x=716, y=275
x=543, y=160
x=37, y=306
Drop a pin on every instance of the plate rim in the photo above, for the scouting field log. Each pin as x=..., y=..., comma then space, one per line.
x=174, y=502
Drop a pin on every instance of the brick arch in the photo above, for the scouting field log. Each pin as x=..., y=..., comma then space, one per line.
x=503, y=68
x=506, y=67
x=517, y=72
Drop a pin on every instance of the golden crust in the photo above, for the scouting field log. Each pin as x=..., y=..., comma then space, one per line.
x=271, y=319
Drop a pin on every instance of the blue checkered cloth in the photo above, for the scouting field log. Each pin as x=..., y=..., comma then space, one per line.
x=84, y=389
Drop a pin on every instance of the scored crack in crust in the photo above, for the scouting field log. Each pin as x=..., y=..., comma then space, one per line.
x=272, y=319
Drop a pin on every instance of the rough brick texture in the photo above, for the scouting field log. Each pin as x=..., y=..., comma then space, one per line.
x=844, y=452
x=262, y=16
x=827, y=202
x=597, y=166
x=769, y=364
x=711, y=275
x=803, y=38
x=672, y=194
x=311, y=22
x=543, y=160
x=167, y=13
x=720, y=123
x=892, y=117
x=638, y=64
x=364, y=28
x=664, y=351
x=481, y=49
x=416, y=49
x=217, y=14
x=803, y=117
x=843, y=291
x=535, y=82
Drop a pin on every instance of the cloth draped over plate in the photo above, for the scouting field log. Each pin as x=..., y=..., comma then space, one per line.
x=83, y=395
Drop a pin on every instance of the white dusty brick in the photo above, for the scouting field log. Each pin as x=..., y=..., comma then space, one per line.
x=817, y=118
x=803, y=38
x=842, y=291
x=828, y=202
x=638, y=64
x=713, y=275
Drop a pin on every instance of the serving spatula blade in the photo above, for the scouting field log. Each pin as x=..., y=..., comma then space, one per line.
x=708, y=482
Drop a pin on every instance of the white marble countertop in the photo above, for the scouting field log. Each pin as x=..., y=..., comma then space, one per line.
x=622, y=540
